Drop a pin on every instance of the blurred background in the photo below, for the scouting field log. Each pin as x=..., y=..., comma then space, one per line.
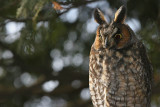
x=45, y=45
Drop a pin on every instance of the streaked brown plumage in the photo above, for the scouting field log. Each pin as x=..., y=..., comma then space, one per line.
x=119, y=69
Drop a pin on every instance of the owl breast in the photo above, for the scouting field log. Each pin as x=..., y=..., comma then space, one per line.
x=118, y=79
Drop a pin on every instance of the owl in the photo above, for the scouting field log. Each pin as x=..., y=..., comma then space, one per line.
x=120, y=73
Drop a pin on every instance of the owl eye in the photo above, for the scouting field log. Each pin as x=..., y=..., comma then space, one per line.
x=118, y=36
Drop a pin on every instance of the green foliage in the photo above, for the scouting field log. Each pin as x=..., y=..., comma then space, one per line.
x=30, y=8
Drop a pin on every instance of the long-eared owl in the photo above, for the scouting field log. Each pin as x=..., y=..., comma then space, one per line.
x=120, y=74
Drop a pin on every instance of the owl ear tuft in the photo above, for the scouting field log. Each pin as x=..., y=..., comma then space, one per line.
x=120, y=15
x=99, y=16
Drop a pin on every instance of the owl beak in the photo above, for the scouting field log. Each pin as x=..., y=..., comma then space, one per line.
x=106, y=43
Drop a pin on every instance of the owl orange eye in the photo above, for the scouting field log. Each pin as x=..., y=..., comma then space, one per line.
x=118, y=36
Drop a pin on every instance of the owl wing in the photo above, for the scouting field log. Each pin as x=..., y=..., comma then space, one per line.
x=147, y=68
x=146, y=62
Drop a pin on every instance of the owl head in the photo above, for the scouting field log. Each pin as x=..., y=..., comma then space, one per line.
x=115, y=35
